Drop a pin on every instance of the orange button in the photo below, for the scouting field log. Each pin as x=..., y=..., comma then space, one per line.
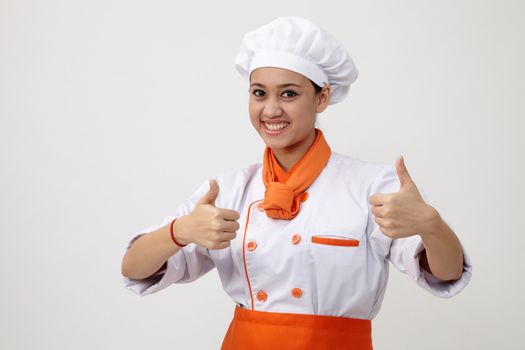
x=251, y=245
x=297, y=292
x=296, y=238
x=261, y=295
x=260, y=206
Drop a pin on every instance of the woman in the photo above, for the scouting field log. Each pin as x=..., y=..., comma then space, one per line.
x=302, y=241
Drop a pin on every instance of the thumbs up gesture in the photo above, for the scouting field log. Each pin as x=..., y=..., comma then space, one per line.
x=403, y=213
x=207, y=225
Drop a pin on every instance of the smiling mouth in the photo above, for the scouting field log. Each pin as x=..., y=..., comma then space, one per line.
x=275, y=127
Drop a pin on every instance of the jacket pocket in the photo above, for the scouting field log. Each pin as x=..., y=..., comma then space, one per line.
x=335, y=240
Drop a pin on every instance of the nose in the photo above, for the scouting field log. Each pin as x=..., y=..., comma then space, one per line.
x=272, y=108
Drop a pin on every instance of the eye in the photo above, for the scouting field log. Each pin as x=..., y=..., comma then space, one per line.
x=258, y=92
x=290, y=93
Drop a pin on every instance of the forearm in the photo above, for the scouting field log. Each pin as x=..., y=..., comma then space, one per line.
x=149, y=252
x=444, y=257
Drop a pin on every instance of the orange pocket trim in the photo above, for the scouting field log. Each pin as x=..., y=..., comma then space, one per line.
x=344, y=242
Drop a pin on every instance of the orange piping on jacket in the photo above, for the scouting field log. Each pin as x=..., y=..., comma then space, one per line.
x=244, y=253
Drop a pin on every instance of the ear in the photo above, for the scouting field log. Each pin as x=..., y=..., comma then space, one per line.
x=323, y=98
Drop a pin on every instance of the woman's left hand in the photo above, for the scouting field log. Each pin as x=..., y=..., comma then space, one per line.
x=403, y=213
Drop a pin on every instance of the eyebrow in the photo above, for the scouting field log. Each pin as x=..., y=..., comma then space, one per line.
x=279, y=86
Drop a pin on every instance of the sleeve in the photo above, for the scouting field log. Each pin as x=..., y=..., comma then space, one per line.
x=404, y=253
x=188, y=264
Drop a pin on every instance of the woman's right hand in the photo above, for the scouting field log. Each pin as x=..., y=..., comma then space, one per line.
x=207, y=225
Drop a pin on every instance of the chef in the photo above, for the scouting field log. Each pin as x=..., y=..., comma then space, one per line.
x=302, y=240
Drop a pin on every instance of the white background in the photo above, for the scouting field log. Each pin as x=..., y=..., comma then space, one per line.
x=113, y=112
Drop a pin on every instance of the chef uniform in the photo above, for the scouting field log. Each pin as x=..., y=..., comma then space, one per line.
x=308, y=268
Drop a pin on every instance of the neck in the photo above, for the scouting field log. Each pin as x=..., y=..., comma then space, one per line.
x=287, y=157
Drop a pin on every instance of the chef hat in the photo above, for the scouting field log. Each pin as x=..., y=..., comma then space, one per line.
x=297, y=44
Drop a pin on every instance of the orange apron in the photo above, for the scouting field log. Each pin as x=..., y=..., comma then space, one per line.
x=256, y=330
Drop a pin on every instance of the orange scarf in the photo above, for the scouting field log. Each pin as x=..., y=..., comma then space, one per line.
x=285, y=190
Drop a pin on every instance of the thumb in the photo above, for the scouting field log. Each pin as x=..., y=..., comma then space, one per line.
x=210, y=196
x=402, y=172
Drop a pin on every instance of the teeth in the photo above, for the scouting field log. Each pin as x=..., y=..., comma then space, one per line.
x=276, y=126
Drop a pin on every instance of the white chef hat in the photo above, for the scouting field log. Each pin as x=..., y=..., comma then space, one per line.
x=297, y=44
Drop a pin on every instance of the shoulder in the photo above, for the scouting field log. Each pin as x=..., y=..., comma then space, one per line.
x=238, y=176
x=358, y=170
x=235, y=184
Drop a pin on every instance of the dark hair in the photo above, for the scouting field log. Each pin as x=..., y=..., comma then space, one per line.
x=316, y=87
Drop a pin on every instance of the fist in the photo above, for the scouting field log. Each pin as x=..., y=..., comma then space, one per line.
x=403, y=213
x=207, y=225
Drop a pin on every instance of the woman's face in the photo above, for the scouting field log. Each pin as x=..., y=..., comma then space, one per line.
x=283, y=105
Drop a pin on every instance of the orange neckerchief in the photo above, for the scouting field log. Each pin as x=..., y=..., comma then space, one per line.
x=285, y=190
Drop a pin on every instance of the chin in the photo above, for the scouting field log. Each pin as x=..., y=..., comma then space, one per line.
x=277, y=144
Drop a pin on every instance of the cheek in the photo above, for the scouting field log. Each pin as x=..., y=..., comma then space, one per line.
x=253, y=110
x=304, y=114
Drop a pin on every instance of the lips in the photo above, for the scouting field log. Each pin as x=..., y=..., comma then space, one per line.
x=274, y=128
x=276, y=125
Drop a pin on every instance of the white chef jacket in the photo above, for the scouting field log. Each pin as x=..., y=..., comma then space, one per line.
x=347, y=281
